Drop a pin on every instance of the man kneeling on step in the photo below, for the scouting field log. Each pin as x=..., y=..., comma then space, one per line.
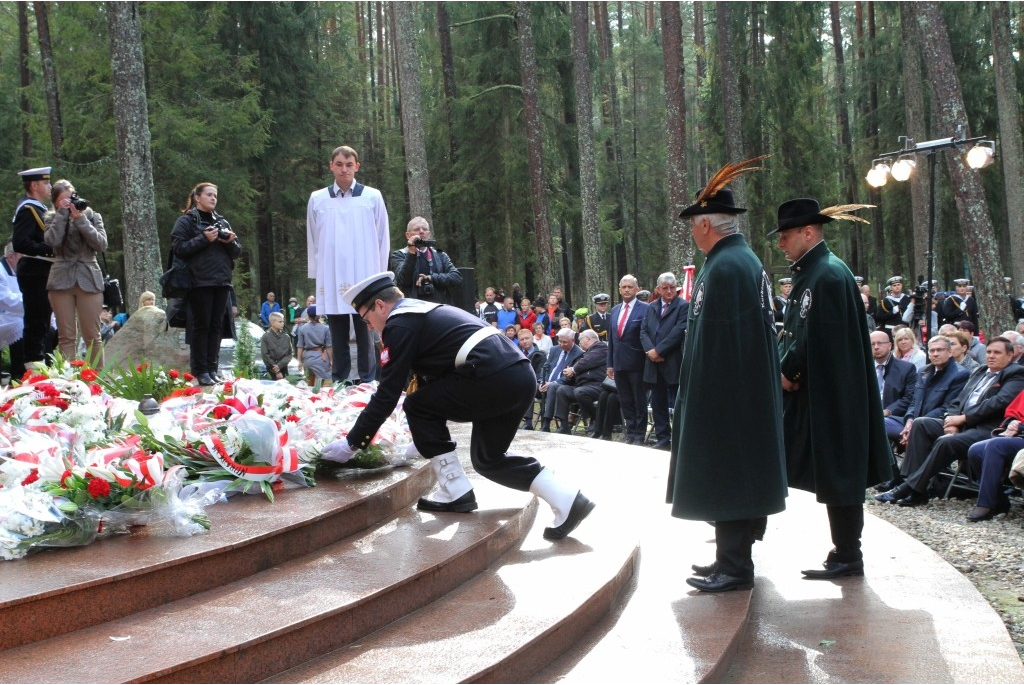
x=462, y=365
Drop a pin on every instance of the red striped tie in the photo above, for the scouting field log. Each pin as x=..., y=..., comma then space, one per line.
x=622, y=319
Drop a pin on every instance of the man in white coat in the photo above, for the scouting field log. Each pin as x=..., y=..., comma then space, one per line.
x=347, y=240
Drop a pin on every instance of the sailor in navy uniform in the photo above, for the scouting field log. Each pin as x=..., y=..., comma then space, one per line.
x=958, y=306
x=34, y=267
x=467, y=371
x=1017, y=306
x=781, y=301
x=895, y=308
x=599, y=321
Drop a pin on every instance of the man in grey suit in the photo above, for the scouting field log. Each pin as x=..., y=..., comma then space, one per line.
x=661, y=334
x=935, y=443
x=565, y=354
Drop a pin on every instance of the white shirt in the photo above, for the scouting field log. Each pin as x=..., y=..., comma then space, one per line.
x=347, y=239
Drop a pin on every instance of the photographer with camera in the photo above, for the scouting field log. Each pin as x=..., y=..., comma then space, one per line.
x=205, y=241
x=421, y=270
x=75, y=233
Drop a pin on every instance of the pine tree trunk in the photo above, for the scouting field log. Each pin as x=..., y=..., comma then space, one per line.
x=535, y=150
x=142, y=263
x=620, y=215
x=410, y=91
x=680, y=241
x=732, y=104
x=845, y=139
x=975, y=223
x=591, y=223
x=1011, y=147
x=25, y=80
x=49, y=79
x=914, y=108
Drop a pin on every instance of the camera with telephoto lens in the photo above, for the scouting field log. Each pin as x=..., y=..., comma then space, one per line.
x=78, y=203
x=919, y=294
x=424, y=242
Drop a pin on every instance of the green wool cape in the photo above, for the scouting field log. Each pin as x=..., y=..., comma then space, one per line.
x=835, y=436
x=727, y=459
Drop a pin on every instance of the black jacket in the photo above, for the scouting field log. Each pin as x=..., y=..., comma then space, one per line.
x=445, y=278
x=209, y=263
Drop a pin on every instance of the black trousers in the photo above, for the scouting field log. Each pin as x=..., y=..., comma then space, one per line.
x=846, y=524
x=930, y=450
x=633, y=400
x=37, y=341
x=663, y=396
x=733, y=542
x=207, y=309
x=365, y=357
x=493, y=404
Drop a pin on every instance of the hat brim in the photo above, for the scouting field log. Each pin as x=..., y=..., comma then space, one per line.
x=801, y=221
x=709, y=207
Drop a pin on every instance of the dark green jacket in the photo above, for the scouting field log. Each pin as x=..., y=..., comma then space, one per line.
x=727, y=459
x=835, y=438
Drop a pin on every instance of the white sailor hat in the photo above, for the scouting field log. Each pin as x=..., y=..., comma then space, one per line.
x=960, y=281
x=361, y=292
x=894, y=279
x=602, y=298
x=786, y=281
x=41, y=173
x=859, y=279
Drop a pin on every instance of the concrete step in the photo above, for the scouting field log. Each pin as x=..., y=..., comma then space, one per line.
x=64, y=590
x=502, y=626
x=265, y=623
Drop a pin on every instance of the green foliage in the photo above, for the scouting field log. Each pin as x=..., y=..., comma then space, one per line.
x=134, y=381
x=246, y=349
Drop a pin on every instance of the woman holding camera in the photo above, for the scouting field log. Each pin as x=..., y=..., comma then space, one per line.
x=75, y=285
x=205, y=241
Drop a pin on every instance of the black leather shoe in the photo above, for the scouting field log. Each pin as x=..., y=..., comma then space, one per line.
x=985, y=513
x=206, y=379
x=719, y=582
x=835, y=569
x=581, y=508
x=663, y=445
x=564, y=429
x=217, y=378
x=462, y=505
x=897, y=493
x=889, y=484
x=705, y=570
x=914, y=499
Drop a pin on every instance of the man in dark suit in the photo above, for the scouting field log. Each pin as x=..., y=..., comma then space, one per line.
x=583, y=380
x=626, y=359
x=938, y=385
x=897, y=381
x=661, y=334
x=935, y=443
x=564, y=354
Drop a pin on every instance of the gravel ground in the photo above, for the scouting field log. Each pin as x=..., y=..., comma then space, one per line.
x=990, y=554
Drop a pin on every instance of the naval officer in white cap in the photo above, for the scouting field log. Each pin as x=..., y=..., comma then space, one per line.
x=34, y=267
x=466, y=372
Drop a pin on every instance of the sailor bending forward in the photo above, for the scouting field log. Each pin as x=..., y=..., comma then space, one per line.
x=466, y=372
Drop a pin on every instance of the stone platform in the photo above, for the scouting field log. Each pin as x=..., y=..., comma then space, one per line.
x=349, y=583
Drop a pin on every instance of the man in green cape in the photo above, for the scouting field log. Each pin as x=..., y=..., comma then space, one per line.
x=832, y=410
x=727, y=460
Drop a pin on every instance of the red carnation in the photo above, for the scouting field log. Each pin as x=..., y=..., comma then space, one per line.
x=221, y=412
x=64, y=478
x=95, y=389
x=314, y=398
x=174, y=373
x=48, y=389
x=99, y=488
x=89, y=375
x=61, y=404
x=292, y=417
x=32, y=477
x=228, y=387
x=77, y=363
x=189, y=377
x=142, y=367
x=194, y=390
